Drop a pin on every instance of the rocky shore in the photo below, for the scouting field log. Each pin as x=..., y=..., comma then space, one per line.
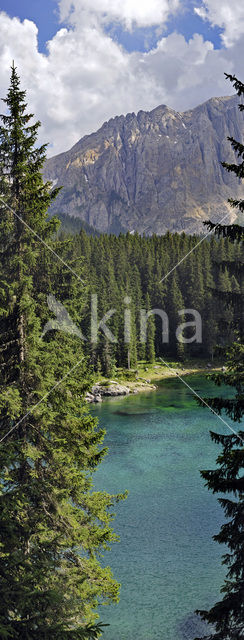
x=113, y=389
x=142, y=383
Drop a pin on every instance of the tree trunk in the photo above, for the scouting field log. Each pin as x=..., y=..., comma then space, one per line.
x=128, y=359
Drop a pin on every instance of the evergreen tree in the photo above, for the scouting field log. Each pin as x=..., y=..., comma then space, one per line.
x=227, y=616
x=150, y=349
x=52, y=524
x=107, y=359
x=140, y=266
x=209, y=309
x=127, y=332
x=174, y=304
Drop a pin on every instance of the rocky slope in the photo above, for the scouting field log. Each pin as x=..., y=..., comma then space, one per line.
x=152, y=171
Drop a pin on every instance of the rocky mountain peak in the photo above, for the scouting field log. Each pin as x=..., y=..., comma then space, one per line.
x=152, y=171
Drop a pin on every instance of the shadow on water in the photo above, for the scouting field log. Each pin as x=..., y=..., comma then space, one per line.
x=191, y=627
x=131, y=413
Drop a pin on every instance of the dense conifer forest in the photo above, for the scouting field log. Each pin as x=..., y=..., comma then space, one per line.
x=141, y=271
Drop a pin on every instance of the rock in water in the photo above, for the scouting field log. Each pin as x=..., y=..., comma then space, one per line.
x=99, y=391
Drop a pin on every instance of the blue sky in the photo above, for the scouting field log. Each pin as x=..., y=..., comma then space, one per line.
x=46, y=16
x=107, y=57
x=43, y=12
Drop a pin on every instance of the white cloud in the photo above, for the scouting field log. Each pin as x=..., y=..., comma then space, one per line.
x=86, y=78
x=140, y=13
x=227, y=14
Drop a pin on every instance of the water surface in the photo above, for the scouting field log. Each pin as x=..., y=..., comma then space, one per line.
x=166, y=560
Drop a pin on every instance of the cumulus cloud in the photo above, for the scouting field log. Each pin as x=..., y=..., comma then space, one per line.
x=86, y=77
x=128, y=12
x=227, y=14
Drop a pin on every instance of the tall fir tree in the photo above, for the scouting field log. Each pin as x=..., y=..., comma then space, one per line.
x=174, y=304
x=53, y=525
x=150, y=334
x=227, y=616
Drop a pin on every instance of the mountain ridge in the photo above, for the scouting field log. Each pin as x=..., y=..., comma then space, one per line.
x=152, y=171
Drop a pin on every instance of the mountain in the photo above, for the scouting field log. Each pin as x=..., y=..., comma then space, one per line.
x=152, y=172
x=73, y=225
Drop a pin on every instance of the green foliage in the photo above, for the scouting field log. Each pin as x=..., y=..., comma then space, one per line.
x=72, y=225
x=227, y=615
x=134, y=267
x=53, y=524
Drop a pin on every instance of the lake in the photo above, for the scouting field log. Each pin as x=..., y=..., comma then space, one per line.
x=166, y=561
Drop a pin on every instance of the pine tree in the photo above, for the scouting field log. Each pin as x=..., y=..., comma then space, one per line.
x=227, y=616
x=52, y=524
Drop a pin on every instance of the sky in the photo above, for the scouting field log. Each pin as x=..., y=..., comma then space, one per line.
x=83, y=62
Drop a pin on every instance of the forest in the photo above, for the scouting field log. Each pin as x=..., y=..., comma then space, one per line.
x=142, y=270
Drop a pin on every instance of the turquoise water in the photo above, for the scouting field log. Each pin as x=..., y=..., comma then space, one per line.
x=166, y=560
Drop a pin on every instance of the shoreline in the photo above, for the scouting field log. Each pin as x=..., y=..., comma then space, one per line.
x=149, y=380
x=166, y=373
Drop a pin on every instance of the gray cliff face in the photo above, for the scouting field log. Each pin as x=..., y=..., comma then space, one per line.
x=153, y=172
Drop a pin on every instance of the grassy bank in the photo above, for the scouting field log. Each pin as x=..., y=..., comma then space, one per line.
x=147, y=376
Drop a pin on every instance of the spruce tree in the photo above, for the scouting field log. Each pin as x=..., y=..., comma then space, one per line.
x=150, y=349
x=52, y=524
x=174, y=304
x=209, y=311
x=227, y=615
